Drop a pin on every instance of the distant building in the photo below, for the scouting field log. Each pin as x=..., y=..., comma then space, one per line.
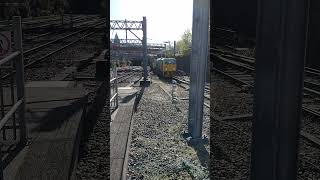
x=116, y=39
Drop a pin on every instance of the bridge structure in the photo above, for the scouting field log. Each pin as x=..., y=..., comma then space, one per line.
x=132, y=49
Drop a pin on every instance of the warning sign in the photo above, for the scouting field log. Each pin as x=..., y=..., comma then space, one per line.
x=5, y=44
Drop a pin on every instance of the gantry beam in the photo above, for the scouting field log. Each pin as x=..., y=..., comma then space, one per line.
x=137, y=43
x=125, y=25
x=133, y=50
x=128, y=56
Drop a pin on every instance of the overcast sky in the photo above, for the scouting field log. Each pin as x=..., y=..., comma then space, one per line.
x=166, y=19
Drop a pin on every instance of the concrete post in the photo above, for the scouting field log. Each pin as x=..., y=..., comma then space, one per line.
x=198, y=66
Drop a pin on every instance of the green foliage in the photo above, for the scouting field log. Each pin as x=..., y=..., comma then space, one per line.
x=195, y=171
x=169, y=53
x=183, y=46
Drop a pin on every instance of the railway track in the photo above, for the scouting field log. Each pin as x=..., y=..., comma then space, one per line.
x=36, y=43
x=127, y=76
x=312, y=76
x=31, y=20
x=40, y=53
x=241, y=70
x=186, y=81
x=36, y=35
x=41, y=23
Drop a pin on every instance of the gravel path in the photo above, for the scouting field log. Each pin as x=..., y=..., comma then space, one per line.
x=158, y=150
x=230, y=140
x=94, y=150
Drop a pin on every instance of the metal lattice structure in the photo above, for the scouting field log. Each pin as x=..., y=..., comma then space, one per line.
x=130, y=26
x=125, y=25
x=137, y=43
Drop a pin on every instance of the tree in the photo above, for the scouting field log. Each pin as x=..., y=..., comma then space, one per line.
x=168, y=53
x=169, y=50
x=183, y=46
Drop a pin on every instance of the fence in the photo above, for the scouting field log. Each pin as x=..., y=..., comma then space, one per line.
x=13, y=114
x=113, y=89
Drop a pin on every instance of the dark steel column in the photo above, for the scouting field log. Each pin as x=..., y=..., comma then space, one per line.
x=20, y=78
x=280, y=54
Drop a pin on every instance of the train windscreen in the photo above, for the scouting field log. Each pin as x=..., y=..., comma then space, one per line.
x=170, y=61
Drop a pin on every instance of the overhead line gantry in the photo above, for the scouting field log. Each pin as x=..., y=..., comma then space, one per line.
x=135, y=26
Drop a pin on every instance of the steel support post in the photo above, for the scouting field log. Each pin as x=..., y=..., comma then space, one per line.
x=71, y=19
x=1, y=165
x=107, y=55
x=116, y=87
x=280, y=54
x=20, y=77
x=174, y=49
x=62, y=19
x=126, y=32
x=144, y=44
x=198, y=66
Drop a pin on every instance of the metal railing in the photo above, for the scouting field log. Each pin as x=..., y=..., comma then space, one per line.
x=12, y=114
x=113, y=90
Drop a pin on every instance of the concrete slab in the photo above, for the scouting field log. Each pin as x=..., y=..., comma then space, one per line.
x=65, y=73
x=120, y=137
x=125, y=91
x=125, y=88
x=113, y=115
x=47, y=84
x=126, y=94
x=54, y=117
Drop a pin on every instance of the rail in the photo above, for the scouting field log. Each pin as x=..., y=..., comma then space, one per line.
x=13, y=118
x=250, y=85
x=225, y=37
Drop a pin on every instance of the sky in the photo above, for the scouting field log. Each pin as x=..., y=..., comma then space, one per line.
x=166, y=19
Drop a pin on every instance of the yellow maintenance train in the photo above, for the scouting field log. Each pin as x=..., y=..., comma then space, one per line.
x=164, y=67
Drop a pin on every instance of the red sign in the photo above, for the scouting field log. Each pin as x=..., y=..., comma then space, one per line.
x=5, y=44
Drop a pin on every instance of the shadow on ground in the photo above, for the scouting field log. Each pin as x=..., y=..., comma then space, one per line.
x=139, y=96
x=199, y=146
x=57, y=116
x=202, y=153
x=128, y=98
